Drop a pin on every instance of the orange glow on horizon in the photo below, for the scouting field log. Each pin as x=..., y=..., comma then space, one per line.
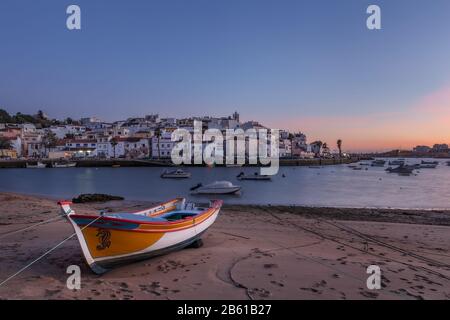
x=425, y=123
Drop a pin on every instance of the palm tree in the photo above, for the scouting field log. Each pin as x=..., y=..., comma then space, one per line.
x=114, y=144
x=158, y=136
x=49, y=140
x=339, y=145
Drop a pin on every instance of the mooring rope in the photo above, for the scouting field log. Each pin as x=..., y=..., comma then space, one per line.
x=46, y=253
x=2, y=235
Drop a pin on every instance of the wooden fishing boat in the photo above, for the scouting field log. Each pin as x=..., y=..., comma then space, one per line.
x=110, y=240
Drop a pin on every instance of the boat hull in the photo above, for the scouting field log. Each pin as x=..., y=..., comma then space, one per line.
x=218, y=191
x=176, y=176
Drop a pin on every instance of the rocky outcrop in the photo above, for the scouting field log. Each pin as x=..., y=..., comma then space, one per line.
x=95, y=197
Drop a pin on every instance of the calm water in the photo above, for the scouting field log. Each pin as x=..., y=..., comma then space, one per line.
x=326, y=186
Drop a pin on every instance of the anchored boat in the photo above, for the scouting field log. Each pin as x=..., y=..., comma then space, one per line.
x=217, y=187
x=401, y=169
x=378, y=163
x=110, y=240
x=38, y=165
x=255, y=176
x=175, y=174
x=64, y=164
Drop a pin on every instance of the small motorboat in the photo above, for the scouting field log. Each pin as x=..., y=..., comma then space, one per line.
x=378, y=163
x=255, y=176
x=364, y=164
x=175, y=174
x=64, y=164
x=113, y=239
x=396, y=162
x=217, y=187
x=401, y=169
x=430, y=162
x=38, y=165
x=448, y=163
x=428, y=165
x=357, y=168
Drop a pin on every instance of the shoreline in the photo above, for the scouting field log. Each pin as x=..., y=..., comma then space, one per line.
x=250, y=252
x=298, y=208
x=86, y=163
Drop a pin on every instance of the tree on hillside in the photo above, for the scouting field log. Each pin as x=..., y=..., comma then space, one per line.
x=5, y=117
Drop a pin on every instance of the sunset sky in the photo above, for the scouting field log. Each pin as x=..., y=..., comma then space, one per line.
x=309, y=66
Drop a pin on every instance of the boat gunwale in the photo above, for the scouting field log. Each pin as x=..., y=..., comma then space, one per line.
x=215, y=205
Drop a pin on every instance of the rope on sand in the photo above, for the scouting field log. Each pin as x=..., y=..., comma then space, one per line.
x=2, y=235
x=47, y=252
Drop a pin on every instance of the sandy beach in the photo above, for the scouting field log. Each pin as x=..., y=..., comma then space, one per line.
x=251, y=252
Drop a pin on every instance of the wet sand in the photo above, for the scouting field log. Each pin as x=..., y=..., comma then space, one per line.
x=251, y=252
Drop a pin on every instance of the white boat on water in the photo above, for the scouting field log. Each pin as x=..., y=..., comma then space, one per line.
x=175, y=174
x=430, y=162
x=428, y=166
x=217, y=187
x=39, y=165
x=378, y=163
x=64, y=164
x=397, y=162
x=255, y=176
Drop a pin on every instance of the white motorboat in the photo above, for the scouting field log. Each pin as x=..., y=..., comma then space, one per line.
x=429, y=162
x=39, y=165
x=397, y=162
x=217, y=187
x=255, y=176
x=175, y=174
x=64, y=164
x=427, y=165
x=378, y=163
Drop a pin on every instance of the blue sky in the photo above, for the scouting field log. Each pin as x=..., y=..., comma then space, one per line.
x=284, y=62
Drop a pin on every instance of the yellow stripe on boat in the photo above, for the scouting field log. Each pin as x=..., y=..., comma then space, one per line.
x=110, y=242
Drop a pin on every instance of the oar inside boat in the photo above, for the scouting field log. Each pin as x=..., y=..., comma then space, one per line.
x=118, y=238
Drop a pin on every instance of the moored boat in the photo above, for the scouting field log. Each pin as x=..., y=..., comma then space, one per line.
x=175, y=174
x=217, y=187
x=428, y=165
x=255, y=176
x=397, y=162
x=63, y=164
x=38, y=165
x=378, y=163
x=110, y=240
x=430, y=162
x=401, y=169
